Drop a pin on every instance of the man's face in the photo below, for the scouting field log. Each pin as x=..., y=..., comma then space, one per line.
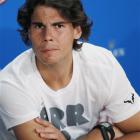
x=52, y=36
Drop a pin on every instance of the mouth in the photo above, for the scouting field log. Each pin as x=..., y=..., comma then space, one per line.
x=48, y=50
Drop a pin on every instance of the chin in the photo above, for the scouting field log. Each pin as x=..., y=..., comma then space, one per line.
x=49, y=62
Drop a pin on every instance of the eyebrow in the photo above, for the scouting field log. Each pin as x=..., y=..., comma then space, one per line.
x=60, y=22
x=34, y=23
x=55, y=23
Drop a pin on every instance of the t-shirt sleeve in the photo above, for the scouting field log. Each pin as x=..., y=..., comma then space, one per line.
x=123, y=102
x=16, y=107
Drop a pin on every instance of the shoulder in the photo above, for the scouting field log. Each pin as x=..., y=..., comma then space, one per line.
x=100, y=61
x=16, y=75
x=19, y=66
x=96, y=55
x=21, y=60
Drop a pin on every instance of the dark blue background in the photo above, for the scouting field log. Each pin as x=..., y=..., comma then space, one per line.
x=116, y=26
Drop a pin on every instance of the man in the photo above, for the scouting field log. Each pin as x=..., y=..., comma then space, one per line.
x=63, y=81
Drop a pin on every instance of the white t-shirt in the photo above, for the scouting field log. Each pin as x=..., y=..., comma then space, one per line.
x=98, y=84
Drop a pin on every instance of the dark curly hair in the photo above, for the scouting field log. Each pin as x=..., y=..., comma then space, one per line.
x=72, y=10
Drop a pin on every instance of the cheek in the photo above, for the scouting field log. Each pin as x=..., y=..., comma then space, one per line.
x=67, y=39
x=36, y=41
x=34, y=37
x=67, y=43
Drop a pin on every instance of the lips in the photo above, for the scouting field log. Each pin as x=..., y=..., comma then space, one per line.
x=46, y=47
x=48, y=50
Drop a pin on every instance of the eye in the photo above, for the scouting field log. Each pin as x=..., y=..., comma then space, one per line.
x=38, y=26
x=58, y=26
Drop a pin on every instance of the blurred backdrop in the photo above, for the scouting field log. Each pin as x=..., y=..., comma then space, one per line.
x=116, y=26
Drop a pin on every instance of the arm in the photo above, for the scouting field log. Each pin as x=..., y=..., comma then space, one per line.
x=94, y=134
x=130, y=128
x=28, y=131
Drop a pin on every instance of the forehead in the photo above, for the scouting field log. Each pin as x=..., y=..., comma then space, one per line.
x=45, y=12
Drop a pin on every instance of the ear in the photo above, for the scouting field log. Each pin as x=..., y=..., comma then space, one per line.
x=77, y=32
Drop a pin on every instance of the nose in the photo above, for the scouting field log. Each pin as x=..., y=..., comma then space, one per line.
x=48, y=34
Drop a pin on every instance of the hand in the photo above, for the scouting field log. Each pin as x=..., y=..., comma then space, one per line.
x=48, y=131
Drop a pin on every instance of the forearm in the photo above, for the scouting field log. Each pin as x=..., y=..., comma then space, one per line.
x=96, y=135
x=130, y=136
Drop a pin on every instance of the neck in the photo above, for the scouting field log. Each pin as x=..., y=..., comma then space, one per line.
x=56, y=76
